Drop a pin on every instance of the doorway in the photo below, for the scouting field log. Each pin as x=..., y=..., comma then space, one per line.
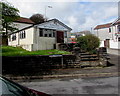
x=107, y=43
x=60, y=37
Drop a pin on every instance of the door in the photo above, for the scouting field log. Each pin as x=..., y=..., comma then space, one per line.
x=60, y=37
x=107, y=43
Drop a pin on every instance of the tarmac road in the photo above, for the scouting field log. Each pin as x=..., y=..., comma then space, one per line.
x=76, y=86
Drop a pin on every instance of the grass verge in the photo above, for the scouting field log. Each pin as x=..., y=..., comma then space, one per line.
x=17, y=51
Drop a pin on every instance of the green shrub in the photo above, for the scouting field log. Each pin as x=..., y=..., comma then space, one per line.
x=88, y=43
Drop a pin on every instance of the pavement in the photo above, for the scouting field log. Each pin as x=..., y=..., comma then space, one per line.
x=113, y=51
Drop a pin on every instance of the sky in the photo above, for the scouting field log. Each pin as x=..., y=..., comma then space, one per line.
x=79, y=15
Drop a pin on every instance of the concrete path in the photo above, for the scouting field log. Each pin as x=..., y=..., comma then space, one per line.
x=113, y=51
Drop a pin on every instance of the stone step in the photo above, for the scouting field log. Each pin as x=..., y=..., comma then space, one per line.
x=85, y=54
x=89, y=56
x=92, y=59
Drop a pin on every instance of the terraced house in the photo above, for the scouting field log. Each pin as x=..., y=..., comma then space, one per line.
x=109, y=34
x=43, y=36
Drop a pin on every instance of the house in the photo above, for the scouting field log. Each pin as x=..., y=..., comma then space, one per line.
x=109, y=34
x=75, y=35
x=82, y=33
x=43, y=36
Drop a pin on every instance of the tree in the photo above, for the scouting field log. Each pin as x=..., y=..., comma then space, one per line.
x=88, y=42
x=37, y=18
x=9, y=14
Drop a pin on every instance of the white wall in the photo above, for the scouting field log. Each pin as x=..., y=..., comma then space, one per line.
x=114, y=45
x=101, y=43
x=114, y=30
x=103, y=34
x=26, y=43
x=13, y=43
x=33, y=42
x=29, y=37
x=43, y=43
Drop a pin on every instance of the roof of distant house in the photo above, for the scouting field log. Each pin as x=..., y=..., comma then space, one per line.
x=24, y=20
x=117, y=22
x=103, y=26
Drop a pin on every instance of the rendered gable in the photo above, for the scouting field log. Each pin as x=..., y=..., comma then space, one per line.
x=52, y=25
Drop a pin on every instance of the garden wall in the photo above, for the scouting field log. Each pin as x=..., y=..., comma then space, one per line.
x=35, y=64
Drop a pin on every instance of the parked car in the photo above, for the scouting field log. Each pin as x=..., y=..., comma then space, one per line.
x=10, y=88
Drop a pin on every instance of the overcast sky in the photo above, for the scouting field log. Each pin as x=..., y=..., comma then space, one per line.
x=79, y=15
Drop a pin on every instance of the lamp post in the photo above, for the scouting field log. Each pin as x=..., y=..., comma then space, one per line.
x=46, y=10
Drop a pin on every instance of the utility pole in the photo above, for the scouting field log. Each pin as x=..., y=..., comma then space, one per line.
x=46, y=11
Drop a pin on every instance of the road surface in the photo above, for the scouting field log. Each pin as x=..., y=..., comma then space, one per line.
x=76, y=86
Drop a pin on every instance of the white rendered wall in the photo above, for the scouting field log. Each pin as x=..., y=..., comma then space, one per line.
x=101, y=43
x=114, y=45
x=43, y=43
x=13, y=43
x=29, y=37
x=26, y=43
x=103, y=34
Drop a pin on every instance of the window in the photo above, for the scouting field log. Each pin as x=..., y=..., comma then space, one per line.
x=118, y=39
x=13, y=37
x=45, y=35
x=65, y=34
x=10, y=38
x=40, y=32
x=109, y=30
x=53, y=33
x=22, y=34
x=118, y=28
x=50, y=35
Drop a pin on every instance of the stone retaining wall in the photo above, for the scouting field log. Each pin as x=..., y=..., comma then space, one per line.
x=30, y=65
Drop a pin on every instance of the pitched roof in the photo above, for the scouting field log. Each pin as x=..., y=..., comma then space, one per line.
x=117, y=21
x=21, y=29
x=24, y=20
x=62, y=23
x=36, y=24
x=103, y=26
x=56, y=20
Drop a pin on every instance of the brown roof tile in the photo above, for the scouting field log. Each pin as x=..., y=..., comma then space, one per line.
x=102, y=26
x=24, y=20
